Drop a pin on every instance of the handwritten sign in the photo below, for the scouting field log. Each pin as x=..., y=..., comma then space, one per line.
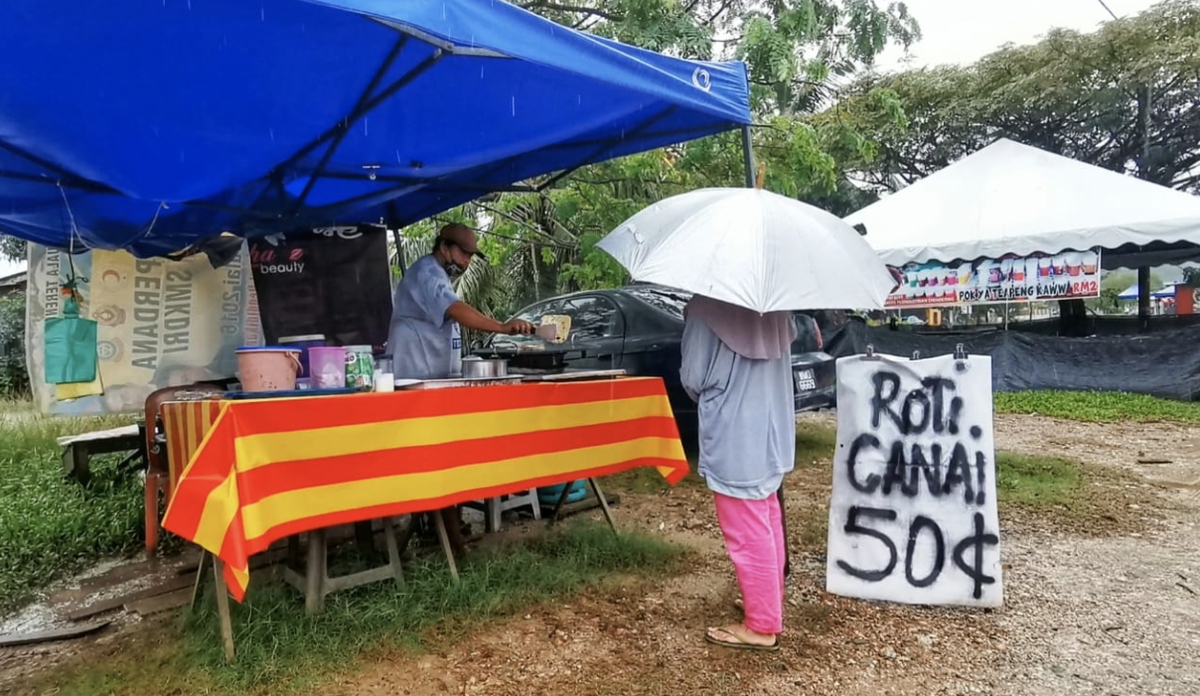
x=913, y=517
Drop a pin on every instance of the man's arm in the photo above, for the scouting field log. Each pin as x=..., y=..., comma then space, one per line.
x=471, y=318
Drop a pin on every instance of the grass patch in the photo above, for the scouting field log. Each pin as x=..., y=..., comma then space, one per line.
x=814, y=443
x=1097, y=407
x=49, y=526
x=1031, y=481
x=282, y=649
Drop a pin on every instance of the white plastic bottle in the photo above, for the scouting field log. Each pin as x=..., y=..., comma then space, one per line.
x=455, y=350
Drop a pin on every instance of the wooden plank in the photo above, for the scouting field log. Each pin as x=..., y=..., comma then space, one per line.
x=47, y=636
x=105, y=605
x=124, y=432
x=588, y=503
x=163, y=602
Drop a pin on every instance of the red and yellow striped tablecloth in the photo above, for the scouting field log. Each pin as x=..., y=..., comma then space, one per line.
x=185, y=424
x=272, y=468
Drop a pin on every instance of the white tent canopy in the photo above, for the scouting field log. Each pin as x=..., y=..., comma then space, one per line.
x=1009, y=198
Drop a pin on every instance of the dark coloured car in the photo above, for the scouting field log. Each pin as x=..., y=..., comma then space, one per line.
x=639, y=328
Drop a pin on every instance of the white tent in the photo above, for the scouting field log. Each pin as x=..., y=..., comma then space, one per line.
x=1009, y=198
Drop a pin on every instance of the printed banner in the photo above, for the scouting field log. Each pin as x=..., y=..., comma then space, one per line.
x=912, y=516
x=331, y=281
x=1039, y=277
x=161, y=323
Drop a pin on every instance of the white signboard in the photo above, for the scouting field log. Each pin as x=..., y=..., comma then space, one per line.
x=912, y=517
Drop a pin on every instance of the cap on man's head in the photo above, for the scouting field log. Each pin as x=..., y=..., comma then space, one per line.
x=462, y=237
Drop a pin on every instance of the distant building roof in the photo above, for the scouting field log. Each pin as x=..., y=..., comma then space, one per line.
x=13, y=280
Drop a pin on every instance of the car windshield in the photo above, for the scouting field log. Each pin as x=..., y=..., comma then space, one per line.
x=670, y=302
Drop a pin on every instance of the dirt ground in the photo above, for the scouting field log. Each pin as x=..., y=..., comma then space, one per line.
x=1085, y=612
x=1101, y=604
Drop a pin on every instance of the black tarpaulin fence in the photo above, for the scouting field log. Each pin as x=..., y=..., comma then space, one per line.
x=1164, y=364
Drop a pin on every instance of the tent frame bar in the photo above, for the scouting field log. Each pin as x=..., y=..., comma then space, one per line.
x=636, y=130
x=339, y=129
x=343, y=126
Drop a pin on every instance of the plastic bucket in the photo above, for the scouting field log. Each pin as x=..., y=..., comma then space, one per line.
x=303, y=343
x=328, y=364
x=268, y=368
x=549, y=495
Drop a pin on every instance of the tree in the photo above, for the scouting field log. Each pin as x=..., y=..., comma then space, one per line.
x=794, y=50
x=1123, y=97
x=12, y=248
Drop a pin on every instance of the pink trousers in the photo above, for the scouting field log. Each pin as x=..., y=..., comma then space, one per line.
x=753, y=532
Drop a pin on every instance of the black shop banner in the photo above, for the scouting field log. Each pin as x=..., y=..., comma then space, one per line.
x=332, y=281
x=912, y=514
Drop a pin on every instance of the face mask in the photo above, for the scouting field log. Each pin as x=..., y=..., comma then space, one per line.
x=453, y=269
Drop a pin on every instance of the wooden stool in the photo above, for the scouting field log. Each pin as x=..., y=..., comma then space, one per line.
x=315, y=582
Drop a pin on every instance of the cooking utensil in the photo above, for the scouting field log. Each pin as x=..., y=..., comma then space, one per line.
x=475, y=367
x=577, y=376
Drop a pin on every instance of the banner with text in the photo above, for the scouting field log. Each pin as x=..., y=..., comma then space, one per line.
x=161, y=323
x=912, y=515
x=1035, y=278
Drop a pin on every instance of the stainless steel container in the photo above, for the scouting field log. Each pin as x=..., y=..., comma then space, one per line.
x=475, y=367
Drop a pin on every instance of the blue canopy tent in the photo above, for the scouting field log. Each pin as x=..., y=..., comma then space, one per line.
x=149, y=125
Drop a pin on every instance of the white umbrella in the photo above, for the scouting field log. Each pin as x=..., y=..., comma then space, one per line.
x=751, y=248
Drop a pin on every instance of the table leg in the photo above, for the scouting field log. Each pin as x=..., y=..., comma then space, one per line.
x=199, y=579
x=562, y=500
x=393, y=549
x=603, y=504
x=314, y=585
x=223, y=608
x=440, y=524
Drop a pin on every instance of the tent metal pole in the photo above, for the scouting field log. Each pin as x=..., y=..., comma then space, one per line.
x=748, y=155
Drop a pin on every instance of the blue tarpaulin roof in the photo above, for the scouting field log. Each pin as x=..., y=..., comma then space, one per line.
x=150, y=124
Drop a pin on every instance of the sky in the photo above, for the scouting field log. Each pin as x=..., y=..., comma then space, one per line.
x=962, y=31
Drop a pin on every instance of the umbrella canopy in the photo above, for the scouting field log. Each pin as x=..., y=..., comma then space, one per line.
x=149, y=124
x=751, y=248
x=1009, y=198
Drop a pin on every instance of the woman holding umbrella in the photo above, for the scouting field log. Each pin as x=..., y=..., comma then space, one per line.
x=737, y=367
x=749, y=257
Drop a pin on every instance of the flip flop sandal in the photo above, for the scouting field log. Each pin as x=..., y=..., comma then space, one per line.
x=737, y=643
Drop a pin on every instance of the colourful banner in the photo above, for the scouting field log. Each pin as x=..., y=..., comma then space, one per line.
x=273, y=468
x=1035, y=278
x=161, y=323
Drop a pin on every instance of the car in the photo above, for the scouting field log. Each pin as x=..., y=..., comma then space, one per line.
x=639, y=328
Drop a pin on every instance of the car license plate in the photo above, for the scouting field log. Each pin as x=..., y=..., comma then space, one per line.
x=805, y=380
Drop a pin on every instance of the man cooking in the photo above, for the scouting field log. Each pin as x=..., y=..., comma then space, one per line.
x=425, y=340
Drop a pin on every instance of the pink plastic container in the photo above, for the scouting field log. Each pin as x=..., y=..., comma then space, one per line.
x=268, y=368
x=327, y=364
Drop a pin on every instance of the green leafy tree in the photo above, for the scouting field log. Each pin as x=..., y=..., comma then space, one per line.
x=14, y=379
x=796, y=51
x=1123, y=97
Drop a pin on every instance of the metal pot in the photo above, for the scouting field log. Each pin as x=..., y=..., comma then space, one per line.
x=474, y=367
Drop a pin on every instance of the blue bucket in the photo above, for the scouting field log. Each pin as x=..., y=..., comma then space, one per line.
x=549, y=494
